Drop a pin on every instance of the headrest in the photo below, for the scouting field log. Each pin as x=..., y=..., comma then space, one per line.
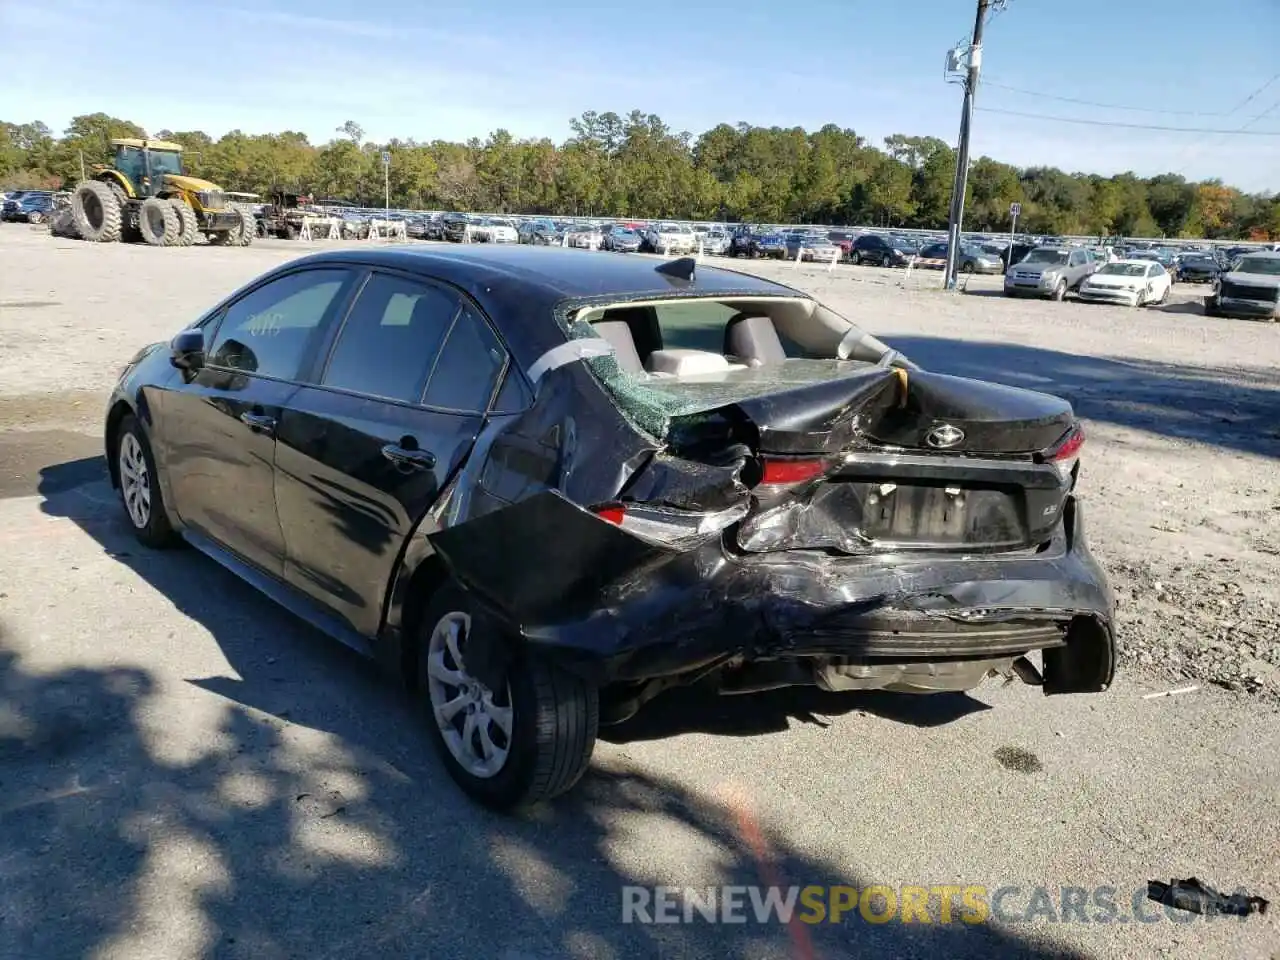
x=618, y=333
x=754, y=340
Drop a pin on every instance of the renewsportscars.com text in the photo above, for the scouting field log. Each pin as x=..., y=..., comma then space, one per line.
x=908, y=903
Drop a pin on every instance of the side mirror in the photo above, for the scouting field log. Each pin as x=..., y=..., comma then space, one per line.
x=186, y=350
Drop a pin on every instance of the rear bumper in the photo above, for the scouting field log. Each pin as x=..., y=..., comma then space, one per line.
x=674, y=614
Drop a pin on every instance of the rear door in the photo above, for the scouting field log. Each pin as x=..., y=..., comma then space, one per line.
x=366, y=447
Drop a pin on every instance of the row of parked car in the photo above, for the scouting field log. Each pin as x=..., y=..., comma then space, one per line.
x=26, y=206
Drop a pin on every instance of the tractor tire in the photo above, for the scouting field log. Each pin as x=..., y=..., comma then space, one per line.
x=158, y=222
x=186, y=222
x=242, y=236
x=96, y=212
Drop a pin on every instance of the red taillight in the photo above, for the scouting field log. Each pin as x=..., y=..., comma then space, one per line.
x=614, y=514
x=791, y=471
x=1066, y=448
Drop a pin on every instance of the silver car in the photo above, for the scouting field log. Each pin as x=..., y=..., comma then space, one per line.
x=811, y=245
x=1049, y=272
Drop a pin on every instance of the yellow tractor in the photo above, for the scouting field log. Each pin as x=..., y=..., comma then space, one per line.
x=145, y=195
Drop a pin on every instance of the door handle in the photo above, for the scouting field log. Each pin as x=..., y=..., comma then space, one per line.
x=409, y=459
x=259, y=422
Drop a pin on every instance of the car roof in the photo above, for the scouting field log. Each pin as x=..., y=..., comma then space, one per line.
x=520, y=286
x=1262, y=254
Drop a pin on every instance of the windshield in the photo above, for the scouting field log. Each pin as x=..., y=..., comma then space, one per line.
x=623, y=232
x=130, y=162
x=899, y=244
x=1124, y=270
x=1046, y=256
x=672, y=228
x=1269, y=266
x=499, y=223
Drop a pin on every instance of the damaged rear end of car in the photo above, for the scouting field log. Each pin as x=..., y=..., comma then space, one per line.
x=758, y=515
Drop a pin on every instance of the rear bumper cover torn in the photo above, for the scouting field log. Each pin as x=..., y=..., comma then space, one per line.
x=617, y=610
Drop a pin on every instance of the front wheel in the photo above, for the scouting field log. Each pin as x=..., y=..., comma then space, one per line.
x=1060, y=291
x=514, y=747
x=887, y=262
x=140, y=487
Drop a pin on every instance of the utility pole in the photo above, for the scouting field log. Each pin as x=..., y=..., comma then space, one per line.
x=386, y=182
x=962, y=154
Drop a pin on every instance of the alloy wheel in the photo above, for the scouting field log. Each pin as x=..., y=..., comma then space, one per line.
x=135, y=481
x=475, y=724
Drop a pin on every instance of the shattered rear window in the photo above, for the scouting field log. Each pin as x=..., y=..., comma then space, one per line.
x=651, y=402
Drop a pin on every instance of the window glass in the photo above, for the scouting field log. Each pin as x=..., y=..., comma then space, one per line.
x=391, y=338
x=694, y=325
x=513, y=396
x=269, y=330
x=469, y=366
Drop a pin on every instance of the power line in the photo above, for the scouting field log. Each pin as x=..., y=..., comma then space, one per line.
x=1137, y=126
x=1188, y=156
x=1253, y=96
x=1104, y=106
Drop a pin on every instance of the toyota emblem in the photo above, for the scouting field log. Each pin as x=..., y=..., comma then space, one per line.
x=944, y=436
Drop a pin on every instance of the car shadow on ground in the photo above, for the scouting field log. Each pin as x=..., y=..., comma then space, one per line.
x=305, y=814
x=1234, y=408
x=701, y=710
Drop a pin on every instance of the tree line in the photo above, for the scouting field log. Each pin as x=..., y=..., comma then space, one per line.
x=637, y=166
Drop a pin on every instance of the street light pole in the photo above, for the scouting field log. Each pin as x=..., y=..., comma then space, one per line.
x=962, y=154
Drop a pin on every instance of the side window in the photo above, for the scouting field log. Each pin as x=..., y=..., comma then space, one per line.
x=513, y=395
x=391, y=338
x=269, y=330
x=1157, y=270
x=468, y=367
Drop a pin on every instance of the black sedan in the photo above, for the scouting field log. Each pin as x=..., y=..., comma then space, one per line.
x=1199, y=268
x=542, y=487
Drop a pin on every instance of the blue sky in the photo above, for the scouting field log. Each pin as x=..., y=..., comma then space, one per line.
x=455, y=69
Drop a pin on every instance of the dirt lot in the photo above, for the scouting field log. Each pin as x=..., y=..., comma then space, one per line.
x=190, y=772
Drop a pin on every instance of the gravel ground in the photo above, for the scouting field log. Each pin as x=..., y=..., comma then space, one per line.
x=187, y=772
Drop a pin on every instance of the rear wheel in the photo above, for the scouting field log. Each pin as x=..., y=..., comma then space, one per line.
x=510, y=748
x=158, y=222
x=140, y=488
x=96, y=212
x=186, y=222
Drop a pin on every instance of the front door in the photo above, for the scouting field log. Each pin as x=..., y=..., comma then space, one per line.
x=219, y=427
x=365, y=452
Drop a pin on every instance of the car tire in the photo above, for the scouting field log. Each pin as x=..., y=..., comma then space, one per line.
x=1060, y=291
x=966, y=268
x=887, y=262
x=139, y=484
x=552, y=716
x=35, y=217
